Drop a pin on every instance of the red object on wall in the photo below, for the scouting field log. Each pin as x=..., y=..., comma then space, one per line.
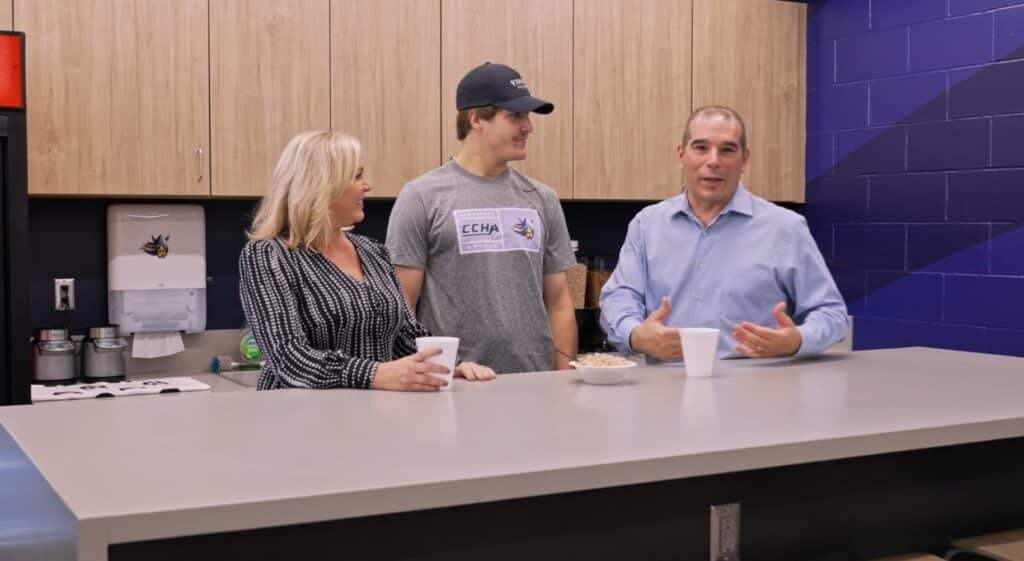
x=12, y=70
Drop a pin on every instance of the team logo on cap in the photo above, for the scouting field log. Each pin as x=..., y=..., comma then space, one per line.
x=519, y=83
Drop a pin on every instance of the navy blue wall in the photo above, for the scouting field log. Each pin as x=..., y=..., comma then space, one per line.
x=68, y=238
x=915, y=165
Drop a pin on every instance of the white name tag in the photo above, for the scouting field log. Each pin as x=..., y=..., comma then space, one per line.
x=482, y=230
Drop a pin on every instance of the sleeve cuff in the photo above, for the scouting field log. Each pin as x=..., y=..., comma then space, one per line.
x=626, y=328
x=407, y=263
x=807, y=343
x=552, y=266
x=362, y=372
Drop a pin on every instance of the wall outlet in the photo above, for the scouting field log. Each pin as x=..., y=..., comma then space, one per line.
x=63, y=294
x=725, y=532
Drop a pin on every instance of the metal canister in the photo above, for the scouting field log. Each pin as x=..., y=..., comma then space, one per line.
x=79, y=341
x=104, y=355
x=53, y=357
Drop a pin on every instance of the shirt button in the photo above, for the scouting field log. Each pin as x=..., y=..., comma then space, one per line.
x=700, y=265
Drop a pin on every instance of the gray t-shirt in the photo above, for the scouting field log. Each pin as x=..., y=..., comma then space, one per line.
x=484, y=244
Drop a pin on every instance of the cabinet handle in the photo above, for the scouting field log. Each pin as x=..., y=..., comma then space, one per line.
x=199, y=152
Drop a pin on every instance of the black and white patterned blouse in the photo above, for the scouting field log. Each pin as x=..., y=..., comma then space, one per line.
x=317, y=326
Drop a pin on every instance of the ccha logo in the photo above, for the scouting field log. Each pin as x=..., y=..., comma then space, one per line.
x=157, y=246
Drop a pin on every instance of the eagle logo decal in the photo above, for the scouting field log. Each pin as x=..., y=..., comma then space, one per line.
x=523, y=229
x=157, y=246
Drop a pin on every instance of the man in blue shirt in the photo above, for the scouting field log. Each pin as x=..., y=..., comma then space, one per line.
x=719, y=256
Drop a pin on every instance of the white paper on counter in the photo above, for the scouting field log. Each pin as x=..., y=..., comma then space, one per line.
x=155, y=345
x=87, y=390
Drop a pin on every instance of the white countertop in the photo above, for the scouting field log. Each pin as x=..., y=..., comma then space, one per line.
x=213, y=462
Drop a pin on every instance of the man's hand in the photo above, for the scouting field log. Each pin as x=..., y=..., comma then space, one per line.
x=653, y=338
x=762, y=342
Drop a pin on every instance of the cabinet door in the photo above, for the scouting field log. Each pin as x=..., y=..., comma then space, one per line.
x=385, y=81
x=269, y=80
x=632, y=84
x=119, y=99
x=535, y=38
x=751, y=55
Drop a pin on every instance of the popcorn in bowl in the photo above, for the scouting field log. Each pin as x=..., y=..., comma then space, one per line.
x=603, y=359
x=602, y=368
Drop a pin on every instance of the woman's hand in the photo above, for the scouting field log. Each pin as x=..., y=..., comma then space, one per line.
x=474, y=371
x=411, y=374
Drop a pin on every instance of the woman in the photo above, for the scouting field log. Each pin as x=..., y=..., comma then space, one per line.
x=324, y=304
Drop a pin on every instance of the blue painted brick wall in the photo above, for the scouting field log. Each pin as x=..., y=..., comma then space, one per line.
x=888, y=14
x=915, y=167
x=949, y=43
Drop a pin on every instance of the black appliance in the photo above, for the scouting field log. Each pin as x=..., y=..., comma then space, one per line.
x=15, y=333
x=592, y=338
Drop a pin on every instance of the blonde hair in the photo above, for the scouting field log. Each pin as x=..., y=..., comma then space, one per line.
x=314, y=168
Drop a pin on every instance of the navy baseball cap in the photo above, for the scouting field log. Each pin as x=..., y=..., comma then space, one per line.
x=500, y=86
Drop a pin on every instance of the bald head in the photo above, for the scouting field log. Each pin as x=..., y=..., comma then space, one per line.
x=721, y=111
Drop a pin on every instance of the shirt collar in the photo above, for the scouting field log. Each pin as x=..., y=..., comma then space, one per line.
x=741, y=203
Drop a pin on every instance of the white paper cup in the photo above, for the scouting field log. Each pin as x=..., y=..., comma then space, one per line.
x=700, y=348
x=449, y=350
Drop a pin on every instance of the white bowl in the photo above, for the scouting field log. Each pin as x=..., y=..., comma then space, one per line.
x=603, y=374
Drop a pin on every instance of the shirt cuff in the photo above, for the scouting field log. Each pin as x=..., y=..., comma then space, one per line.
x=626, y=328
x=363, y=371
x=807, y=344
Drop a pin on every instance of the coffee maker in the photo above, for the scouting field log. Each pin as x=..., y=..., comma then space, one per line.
x=53, y=357
x=103, y=355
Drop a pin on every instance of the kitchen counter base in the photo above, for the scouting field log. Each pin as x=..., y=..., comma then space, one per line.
x=842, y=510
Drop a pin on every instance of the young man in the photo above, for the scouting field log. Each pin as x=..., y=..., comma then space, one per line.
x=718, y=256
x=481, y=250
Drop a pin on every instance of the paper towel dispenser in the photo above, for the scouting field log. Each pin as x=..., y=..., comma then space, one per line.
x=156, y=268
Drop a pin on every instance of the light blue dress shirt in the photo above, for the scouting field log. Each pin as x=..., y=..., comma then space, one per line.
x=752, y=256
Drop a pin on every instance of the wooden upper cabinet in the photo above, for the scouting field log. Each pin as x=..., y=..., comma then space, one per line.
x=119, y=96
x=632, y=84
x=535, y=38
x=751, y=55
x=385, y=86
x=269, y=80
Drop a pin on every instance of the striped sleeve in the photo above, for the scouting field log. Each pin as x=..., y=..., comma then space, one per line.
x=268, y=299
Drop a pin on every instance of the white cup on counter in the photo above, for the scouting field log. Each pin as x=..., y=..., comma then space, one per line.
x=449, y=351
x=700, y=348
